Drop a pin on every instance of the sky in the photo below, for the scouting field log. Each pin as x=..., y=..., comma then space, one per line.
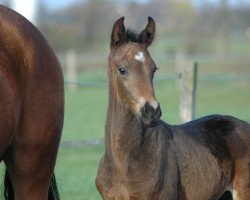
x=27, y=9
x=55, y=4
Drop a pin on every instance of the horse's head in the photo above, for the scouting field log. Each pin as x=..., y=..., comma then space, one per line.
x=131, y=71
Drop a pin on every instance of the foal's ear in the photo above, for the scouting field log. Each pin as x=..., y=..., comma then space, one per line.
x=147, y=35
x=118, y=33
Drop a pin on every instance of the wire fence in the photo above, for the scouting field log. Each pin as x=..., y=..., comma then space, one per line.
x=98, y=142
x=81, y=143
x=73, y=60
x=207, y=78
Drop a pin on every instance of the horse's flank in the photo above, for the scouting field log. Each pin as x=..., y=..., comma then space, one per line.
x=31, y=105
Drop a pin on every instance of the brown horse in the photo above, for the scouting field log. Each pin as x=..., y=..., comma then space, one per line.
x=31, y=109
x=144, y=157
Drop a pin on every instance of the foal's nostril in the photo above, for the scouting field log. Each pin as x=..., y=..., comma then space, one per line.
x=149, y=114
x=148, y=108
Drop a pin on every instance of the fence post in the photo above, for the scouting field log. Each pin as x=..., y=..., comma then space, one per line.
x=194, y=89
x=187, y=81
x=71, y=65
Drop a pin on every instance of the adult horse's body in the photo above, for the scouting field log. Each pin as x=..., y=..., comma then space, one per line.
x=31, y=109
x=146, y=158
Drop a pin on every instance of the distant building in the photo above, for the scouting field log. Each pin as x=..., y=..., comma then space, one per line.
x=27, y=8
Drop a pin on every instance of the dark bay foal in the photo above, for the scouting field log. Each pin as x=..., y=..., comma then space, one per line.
x=31, y=109
x=144, y=157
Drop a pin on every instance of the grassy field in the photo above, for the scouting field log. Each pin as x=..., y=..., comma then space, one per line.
x=85, y=111
x=85, y=117
x=76, y=171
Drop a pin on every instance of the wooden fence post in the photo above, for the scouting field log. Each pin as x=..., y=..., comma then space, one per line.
x=194, y=89
x=71, y=67
x=187, y=81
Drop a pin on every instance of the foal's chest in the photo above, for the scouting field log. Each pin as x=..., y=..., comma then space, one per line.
x=119, y=191
x=131, y=189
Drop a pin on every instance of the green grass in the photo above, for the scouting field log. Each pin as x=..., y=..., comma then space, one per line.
x=229, y=98
x=76, y=171
x=85, y=111
x=85, y=118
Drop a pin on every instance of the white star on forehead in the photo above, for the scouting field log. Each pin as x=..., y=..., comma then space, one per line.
x=140, y=57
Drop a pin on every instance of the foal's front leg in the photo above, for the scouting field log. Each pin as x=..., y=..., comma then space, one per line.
x=103, y=178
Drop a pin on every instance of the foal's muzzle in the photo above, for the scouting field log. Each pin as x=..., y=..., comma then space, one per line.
x=150, y=116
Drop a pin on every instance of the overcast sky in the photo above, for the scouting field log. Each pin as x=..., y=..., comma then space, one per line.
x=54, y=4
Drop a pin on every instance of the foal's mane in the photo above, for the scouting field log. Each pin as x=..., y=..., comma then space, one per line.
x=132, y=36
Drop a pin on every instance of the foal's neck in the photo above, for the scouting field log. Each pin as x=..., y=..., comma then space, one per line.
x=123, y=129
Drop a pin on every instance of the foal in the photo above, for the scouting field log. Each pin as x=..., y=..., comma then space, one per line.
x=144, y=157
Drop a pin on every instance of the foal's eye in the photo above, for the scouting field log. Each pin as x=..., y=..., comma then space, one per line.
x=122, y=70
